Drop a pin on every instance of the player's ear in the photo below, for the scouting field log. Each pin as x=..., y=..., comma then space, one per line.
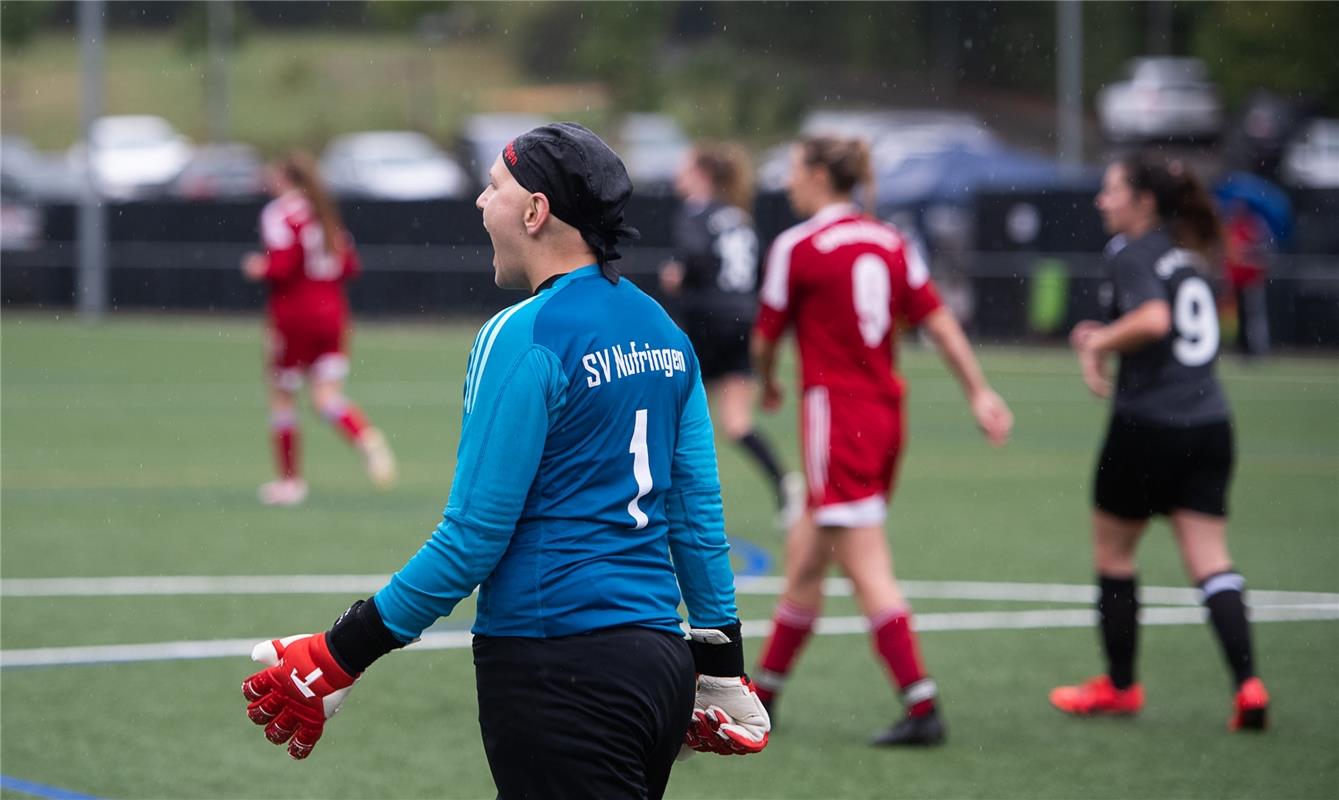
x=536, y=213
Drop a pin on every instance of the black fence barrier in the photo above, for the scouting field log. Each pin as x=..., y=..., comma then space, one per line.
x=1029, y=268
x=1037, y=267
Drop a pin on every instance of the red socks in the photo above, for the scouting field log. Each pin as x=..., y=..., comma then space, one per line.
x=893, y=639
x=791, y=626
x=348, y=419
x=284, y=431
x=895, y=642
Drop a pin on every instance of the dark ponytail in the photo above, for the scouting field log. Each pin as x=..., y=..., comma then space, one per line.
x=1182, y=201
x=847, y=162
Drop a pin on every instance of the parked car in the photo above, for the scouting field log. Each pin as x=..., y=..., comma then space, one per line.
x=652, y=146
x=1161, y=98
x=893, y=135
x=222, y=171
x=392, y=165
x=134, y=156
x=1311, y=159
x=486, y=134
x=37, y=176
x=21, y=219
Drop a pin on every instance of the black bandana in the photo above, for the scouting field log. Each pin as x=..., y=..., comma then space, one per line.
x=585, y=182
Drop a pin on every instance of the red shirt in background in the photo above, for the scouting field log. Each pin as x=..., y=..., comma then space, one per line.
x=843, y=279
x=1244, y=238
x=306, y=281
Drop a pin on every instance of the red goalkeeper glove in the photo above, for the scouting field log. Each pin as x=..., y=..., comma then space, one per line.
x=728, y=717
x=302, y=688
x=309, y=675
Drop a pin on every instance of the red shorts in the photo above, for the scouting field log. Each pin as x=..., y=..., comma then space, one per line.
x=295, y=351
x=851, y=450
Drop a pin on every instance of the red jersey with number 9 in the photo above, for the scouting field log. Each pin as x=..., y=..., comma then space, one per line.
x=306, y=280
x=844, y=279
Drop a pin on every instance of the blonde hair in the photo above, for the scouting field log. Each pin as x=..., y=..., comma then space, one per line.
x=846, y=160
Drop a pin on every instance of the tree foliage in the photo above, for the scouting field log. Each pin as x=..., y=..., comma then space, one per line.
x=1288, y=47
x=20, y=22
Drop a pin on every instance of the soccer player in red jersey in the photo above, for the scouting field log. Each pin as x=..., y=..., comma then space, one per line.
x=843, y=280
x=307, y=260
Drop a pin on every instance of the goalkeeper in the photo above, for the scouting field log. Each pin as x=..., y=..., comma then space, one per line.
x=585, y=500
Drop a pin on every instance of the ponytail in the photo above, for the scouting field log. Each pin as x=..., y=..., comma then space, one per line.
x=728, y=167
x=847, y=162
x=1183, y=203
x=301, y=170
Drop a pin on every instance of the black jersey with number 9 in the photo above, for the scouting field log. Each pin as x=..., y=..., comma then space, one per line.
x=1170, y=381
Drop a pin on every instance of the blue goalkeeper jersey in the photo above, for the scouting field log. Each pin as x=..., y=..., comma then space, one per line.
x=586, y=494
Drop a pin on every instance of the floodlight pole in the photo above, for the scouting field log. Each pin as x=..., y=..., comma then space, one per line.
x=1069, y=83
x=220, y=37
x=92, y=269
x=1160, y=24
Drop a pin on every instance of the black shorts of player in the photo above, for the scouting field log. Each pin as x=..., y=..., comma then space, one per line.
x=1149, y=469
x=601, y=714
x=721, y=341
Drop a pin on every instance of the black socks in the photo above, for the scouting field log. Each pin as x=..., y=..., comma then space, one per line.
x=1118, y=612
x=1227, y=613
x=761, y=451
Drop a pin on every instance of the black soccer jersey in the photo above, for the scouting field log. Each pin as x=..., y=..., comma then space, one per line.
x=1170, y=381
x=718, y=248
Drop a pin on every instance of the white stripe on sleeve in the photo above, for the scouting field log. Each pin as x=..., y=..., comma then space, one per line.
x=472, y=389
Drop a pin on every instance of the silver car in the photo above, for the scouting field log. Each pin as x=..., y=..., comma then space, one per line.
x=486, y=134
x=894, y=135
x=1161, y=98
x=1312, y=158
x=134, y=156
x=392, y=165
x=652, y=146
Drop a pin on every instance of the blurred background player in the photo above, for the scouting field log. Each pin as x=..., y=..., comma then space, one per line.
x=1169, y=445
x=714, y=276
x=585, y=501
x=1246, y=256
x=843, y=280
x=307, y=261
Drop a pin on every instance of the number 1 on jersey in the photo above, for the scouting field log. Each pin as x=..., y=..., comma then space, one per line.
x=641, y=469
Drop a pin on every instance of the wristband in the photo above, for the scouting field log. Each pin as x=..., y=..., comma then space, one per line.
x=359, y=637
x=718, y=651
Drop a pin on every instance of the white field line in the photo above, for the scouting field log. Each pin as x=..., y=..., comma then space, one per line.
x=761, y=585
x=453, y=640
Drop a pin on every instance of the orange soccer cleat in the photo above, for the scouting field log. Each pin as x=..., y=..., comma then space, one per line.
x=1250, y=711
x=1098, y=696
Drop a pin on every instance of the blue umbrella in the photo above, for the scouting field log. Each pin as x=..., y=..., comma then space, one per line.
x=1264, y=198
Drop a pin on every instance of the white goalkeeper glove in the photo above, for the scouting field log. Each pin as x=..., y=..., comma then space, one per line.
x=728, y=717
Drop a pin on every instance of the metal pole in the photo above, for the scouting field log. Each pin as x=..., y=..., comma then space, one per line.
x=1160, y=28
x=92, y=271
x=220, y=41
x=1069, y=82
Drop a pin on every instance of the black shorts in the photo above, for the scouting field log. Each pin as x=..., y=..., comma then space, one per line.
x=1150, y=469
x=721, y=341
x=601, y=715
